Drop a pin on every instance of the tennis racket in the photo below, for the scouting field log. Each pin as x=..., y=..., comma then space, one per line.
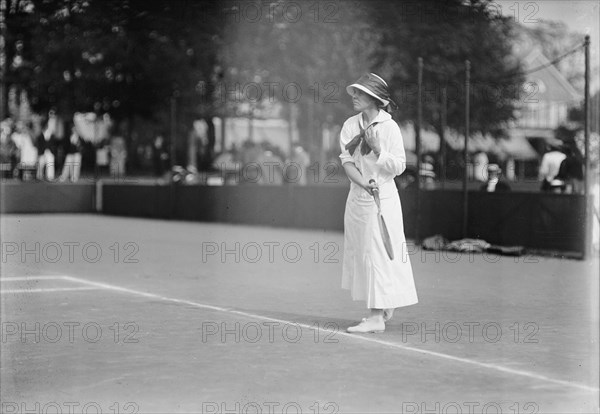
x=385, y=235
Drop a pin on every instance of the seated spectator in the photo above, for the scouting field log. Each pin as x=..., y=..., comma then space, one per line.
x=494, y=184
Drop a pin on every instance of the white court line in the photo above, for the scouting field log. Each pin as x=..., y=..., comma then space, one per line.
x=46, y=290
x=22, y=278
x=355, y=337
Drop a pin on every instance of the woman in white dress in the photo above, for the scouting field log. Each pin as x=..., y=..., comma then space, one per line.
x=372, y=149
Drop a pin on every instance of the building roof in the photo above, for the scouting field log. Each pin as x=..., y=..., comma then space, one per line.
x=551, y=85
x=517, y=147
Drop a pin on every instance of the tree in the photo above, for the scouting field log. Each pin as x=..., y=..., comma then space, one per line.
x=300, y=54
x=124, y=57
x=445, y=34
x=387, y=38
x=129, y=57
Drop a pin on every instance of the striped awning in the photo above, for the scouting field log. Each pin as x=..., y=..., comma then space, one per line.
x=515, y=146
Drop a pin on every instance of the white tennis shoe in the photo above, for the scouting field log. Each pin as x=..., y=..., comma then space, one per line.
x=367, y=326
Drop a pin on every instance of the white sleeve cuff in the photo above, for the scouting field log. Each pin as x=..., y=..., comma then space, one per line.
x=383, y=157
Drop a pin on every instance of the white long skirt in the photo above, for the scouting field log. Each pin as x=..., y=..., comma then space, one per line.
x=368, y=272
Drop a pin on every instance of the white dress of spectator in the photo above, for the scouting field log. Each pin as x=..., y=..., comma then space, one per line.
x=481, y=164
x=28, y=151
x=197, y=142
x=297, y=171
x=92, y=128
x=330, y=134
x=550, y=166
x=510, y=169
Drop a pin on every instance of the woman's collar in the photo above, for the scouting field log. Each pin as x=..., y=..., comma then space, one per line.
x=380, y=117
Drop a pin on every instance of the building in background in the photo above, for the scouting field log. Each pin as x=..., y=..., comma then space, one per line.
x=545, y=103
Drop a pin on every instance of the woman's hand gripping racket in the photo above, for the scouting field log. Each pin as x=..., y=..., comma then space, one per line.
x=387, y=242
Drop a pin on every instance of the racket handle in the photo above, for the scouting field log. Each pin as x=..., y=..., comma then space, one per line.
x=372, y=181
x=375, y=194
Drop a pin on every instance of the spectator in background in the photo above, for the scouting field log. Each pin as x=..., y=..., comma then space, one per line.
x=510, y=169
x=301, y=161
x=200, y=145
x=427, y=173
x=72, y=167
x=549, y=169
x=102, y=157
x=330, y=133
x=228, y=163
x=146, y=154
x=28, y=154
x=494, y=184
x=249, y=158
x=46, y=146
x=271, y=166
x=571, y=171
x=118, y=157
x=481, y=163
x=160, y=156
x=8, y=151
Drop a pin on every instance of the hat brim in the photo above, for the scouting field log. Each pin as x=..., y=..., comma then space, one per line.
x=367, y=91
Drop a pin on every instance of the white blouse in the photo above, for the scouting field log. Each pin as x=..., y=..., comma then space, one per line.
x=392, y=159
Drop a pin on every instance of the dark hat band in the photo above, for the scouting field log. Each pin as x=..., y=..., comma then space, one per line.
x=375, y=86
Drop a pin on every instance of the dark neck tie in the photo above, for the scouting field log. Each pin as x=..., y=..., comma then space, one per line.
x=364, y=148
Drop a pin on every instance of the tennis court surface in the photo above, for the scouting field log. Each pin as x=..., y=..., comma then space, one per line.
x=111, y=314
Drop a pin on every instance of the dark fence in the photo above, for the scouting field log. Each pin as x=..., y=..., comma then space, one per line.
x=41, y=197
x=551, y=222
x=280, y=206
x=544, y=222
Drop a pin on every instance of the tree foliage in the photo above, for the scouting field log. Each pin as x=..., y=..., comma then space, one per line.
x=129, y=57
x=125, y=57
x=300, y=54
x=387, y=38
x=446, y=34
